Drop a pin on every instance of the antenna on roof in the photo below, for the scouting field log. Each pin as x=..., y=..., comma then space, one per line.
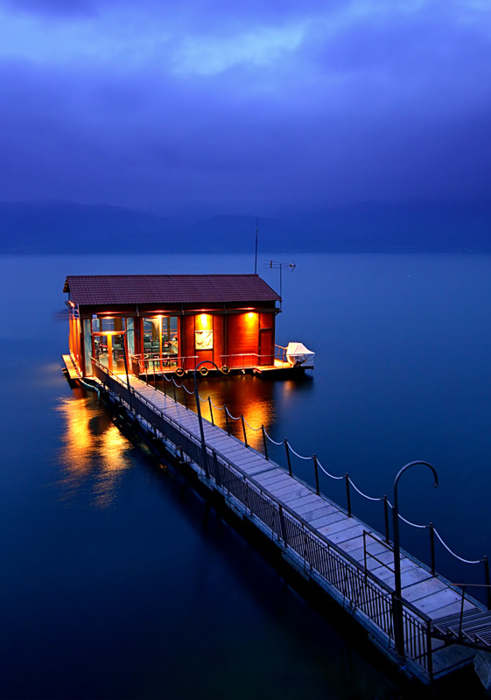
x=275, y=265
x=255, y=259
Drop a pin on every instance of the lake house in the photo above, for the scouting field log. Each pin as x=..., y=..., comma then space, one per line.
x=171, y=323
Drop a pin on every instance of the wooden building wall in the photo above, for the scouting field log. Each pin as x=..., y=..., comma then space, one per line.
x=240, y=339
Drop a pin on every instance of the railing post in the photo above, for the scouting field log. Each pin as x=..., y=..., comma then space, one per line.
x=226, y=417
x=348, y=495
x=288, y=457
x=244, y=430
x=174, y=390
x=283, y=526
x=316, y=469
x=488, y=582
x=206, y=465
x=432, y=548
x=365, y=552
x=386, y=518
x=165, y=387
x=265, y=442
x=216, y=468
x=429, y=651
x=211, y=411
x=185, y=393
x=246, y=496
x=462, y=610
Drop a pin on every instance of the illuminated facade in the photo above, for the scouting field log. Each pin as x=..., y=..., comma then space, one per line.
x=171, y=322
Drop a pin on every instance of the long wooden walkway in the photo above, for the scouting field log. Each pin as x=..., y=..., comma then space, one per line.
x=341, y=554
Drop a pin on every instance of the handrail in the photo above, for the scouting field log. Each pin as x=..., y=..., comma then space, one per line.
x=379, y=601
x=285, y=507
x=432, y=530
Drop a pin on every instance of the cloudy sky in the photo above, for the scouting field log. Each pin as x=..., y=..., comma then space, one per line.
x=244, y=106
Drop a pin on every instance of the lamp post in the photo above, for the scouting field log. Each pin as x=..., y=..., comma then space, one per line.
x=128, y=330
x=198, y=407
x=398, y=621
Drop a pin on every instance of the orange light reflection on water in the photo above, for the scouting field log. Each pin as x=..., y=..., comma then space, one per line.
x=243, y=395
x=94, y=452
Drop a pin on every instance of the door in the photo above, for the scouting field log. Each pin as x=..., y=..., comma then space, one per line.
x=108, y=349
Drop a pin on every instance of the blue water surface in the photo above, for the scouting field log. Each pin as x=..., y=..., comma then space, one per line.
x=119, y=581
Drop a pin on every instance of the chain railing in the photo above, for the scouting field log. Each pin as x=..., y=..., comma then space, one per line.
x=356, y=588
x=350, y=484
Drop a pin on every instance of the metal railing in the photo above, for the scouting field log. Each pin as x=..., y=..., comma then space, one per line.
x=246, y=360
x=357, y=589
x=150, y=363
x=280, y=353
x=319, y=469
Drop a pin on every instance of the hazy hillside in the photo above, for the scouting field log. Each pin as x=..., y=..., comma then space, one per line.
x=64, y=227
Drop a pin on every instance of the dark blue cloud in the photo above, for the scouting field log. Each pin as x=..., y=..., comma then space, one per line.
x=245, y=107
x=64, y=8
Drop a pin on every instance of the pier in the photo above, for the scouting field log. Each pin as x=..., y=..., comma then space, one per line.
x=431, y=627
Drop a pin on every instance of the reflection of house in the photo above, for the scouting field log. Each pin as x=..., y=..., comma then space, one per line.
x=171, y=322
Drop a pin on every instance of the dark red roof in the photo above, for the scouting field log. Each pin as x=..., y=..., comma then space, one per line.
x=167, y=289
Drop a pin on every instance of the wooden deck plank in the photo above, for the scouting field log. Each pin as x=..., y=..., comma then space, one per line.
x=338, y=526
x=273, y=476
x=347, y=534
x=423, y=589
x=309, y=499
x=287, y=487
x=430, y=595
x=451, y=609
x=325, y=520
x=438, y=601
x=292, y=495
x=320, y=503
x=253, y=471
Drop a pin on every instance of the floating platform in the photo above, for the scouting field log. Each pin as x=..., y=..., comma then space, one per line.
x=71, y=368
x=342, y=555
x=279, y=367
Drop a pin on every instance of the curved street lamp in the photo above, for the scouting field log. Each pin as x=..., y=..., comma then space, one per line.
x=398, y=621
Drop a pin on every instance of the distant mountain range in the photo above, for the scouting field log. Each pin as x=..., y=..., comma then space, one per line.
x=65, y=227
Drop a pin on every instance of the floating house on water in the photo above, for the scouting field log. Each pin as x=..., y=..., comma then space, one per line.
x=171, y=323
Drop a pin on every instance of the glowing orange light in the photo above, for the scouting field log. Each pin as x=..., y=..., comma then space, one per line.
x=204, y=322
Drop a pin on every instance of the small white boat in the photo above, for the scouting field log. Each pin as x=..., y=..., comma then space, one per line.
x=300, y=356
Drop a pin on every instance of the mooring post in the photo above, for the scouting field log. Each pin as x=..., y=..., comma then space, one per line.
x=244, y=429
x=386, y=517
x=265, y=442
x=348, y=494
x=432, y=548
x=487, y=579
x=316, y=468
x=211, y=411
x=226, y=418
x=288, y=457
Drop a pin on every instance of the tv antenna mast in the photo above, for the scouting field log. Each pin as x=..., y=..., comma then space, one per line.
x=255, y=257
x=276, y=265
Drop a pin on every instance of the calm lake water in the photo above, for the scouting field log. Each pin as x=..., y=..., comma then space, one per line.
x=118, y=581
